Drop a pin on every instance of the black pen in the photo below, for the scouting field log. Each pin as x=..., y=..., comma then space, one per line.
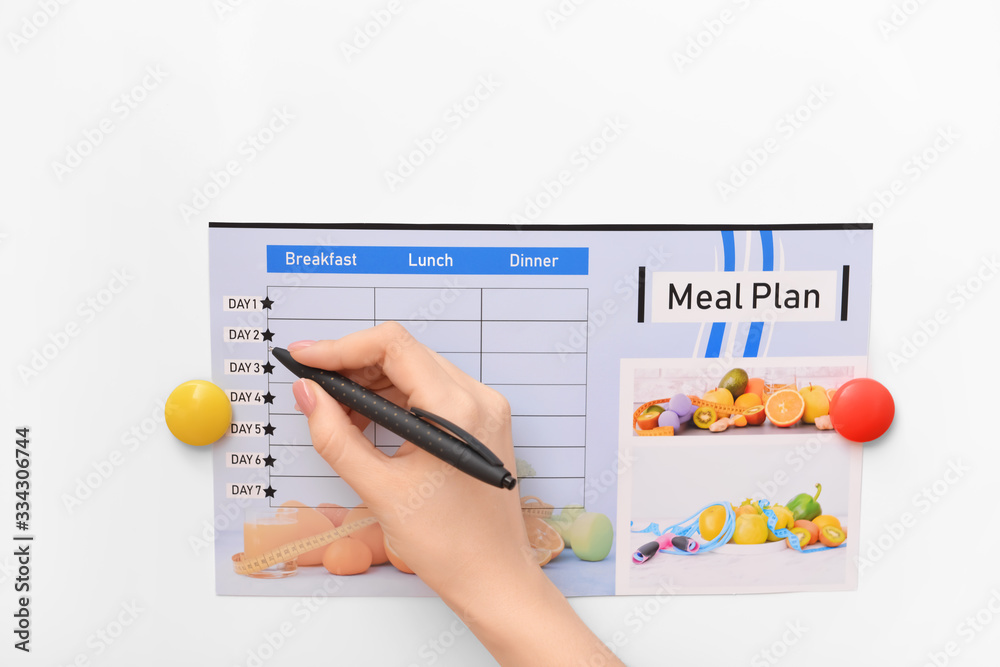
x=470, y=456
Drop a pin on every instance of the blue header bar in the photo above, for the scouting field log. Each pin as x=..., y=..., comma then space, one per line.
x=429, y=260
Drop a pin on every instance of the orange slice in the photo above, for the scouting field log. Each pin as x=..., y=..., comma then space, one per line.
x=541, y=556
x=543, y=536
x=785, y=408
x=830, y=393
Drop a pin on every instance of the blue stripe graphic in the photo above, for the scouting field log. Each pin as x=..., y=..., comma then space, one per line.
x=729, y=264
x=767, y=247
x=757, y=328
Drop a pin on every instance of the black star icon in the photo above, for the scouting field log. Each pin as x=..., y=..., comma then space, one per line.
x=268, y=367
x=268, y=398
x=269, y=492
x=269, y=461
x=266, y=302
x=268, y=430
x=267, y=335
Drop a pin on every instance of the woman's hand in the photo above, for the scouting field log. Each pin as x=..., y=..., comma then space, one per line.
x=440, y=521
x=464, y=538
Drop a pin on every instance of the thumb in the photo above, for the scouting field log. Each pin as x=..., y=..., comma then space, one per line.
x=340, y=443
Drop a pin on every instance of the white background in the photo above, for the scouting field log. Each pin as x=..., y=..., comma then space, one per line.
x=685, y=130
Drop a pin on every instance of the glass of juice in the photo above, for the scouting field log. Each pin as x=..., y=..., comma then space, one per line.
x=266, y=529
x=776, y=379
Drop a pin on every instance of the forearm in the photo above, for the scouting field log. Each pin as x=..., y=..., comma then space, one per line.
x=525, y=620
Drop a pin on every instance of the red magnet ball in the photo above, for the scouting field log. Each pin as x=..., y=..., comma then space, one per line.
x=862, y=410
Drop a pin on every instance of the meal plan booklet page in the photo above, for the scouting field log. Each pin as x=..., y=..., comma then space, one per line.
x=670, y=387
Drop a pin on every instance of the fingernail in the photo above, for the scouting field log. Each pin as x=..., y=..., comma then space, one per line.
x=303, y=397
x=300, y=345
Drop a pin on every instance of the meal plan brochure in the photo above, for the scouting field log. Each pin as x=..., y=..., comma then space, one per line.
x=669, y=385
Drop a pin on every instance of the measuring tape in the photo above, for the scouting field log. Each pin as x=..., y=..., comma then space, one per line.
x=719, y=407
x=695, y=401
x=292, y=550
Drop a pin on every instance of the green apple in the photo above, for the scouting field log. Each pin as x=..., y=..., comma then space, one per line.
x=591, y=536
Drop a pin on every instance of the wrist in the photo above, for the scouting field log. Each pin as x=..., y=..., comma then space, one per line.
x=483, y=599
x=517, y=615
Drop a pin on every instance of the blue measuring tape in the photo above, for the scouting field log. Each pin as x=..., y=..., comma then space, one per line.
x=689, y=528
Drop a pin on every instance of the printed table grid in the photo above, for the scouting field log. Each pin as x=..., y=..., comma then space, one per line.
x=516, y=340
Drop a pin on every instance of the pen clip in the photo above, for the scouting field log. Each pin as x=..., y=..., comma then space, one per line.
x=471, y=442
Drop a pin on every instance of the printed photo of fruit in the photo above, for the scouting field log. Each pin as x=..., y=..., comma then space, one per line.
x=749, y=518
x=713, y=400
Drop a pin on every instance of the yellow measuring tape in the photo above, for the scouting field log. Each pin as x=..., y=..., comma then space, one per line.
x=292, y=550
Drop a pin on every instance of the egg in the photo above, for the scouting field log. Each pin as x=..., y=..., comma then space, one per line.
x=335, y=513
x=371, y=535
x=396, y=560
x=347, y=556
x=309, y=522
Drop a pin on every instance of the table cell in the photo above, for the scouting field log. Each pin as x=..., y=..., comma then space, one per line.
x=306, y=461
x=293, y=429
x=467, y=362
x=515, y=368
x=556, y=492
x=289, y=331
x=533, y=399
x=298, y=461
x=446, y=336
x=344, y=303
x=439, y=303
x=552, y=337
x=283, y=401
x=535, y=304
x=554, y=461
x=311, y=491
x=546, y=431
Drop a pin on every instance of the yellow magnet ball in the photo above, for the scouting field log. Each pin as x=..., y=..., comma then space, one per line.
x=198, y=412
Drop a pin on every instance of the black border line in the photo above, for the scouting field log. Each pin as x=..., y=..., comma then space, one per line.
x=603, y=227
x=844, y=290
x=642, y=294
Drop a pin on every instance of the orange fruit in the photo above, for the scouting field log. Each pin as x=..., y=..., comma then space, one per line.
x=830, y=393
x=824, y=520
x=748, y=401
x=785, y=408
x=543, y=536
